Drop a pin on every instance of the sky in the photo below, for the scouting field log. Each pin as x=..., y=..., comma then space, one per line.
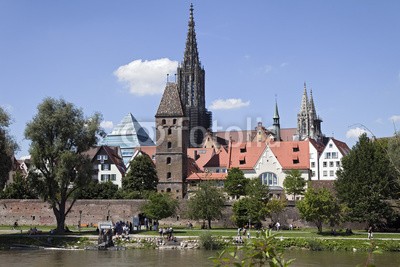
x=113, y=57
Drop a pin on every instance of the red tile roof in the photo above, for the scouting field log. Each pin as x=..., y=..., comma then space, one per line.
x=245, y=155
x=287, y=134
x=201, y=155
x=202, y=176
x=287, y=155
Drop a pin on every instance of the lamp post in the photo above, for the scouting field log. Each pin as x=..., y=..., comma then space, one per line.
x=80, y=220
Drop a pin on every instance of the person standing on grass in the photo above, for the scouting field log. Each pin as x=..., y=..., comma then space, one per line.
x=370, y=234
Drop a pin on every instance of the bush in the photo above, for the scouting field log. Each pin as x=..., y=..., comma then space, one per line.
x=209, y=242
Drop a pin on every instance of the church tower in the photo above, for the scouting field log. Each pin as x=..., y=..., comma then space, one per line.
x=308, y=122
x=172, y=138
x=276, y=125
x=191, y=87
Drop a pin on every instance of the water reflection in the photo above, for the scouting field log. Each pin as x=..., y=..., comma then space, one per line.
x=177, y=258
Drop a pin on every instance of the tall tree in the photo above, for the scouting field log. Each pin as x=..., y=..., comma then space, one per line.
x=59, y=133
x=274, y=208
x=206, y=204
x=251, y=208
x=235, y=183
x=159, y=206
x=294, y=184
x=366, y=181
x=21, y=188
x=142, y=175
x=7, y=148
x=394, y=151
x=320, y=206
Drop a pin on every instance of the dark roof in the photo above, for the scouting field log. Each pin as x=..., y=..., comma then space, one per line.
x=170, y=104
x=342, y=146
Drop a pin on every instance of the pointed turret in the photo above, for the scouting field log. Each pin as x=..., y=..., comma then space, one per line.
x=304, y=100
x=276, y=125
x=311, y=105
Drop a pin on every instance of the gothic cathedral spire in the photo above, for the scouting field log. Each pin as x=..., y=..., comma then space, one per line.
x=191, y=87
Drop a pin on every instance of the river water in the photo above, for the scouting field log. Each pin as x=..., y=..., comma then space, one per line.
x=177, y=258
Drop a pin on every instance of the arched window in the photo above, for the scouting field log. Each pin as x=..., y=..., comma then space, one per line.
x=163, y=122
x=169, y=131
x=169, y=145
x=169, y=175
x=269, y=178
x=168, y=190
x=168, y=160
x=174, y=121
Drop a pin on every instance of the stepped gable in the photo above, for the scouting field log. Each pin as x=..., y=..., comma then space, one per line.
x=170, y=104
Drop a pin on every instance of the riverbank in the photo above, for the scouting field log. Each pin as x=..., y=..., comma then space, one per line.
x=192, y=239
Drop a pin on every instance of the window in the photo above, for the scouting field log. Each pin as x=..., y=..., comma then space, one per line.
x=313, y=173
x=338, y=164
x=102, y=157
x=325, y=173
x=113, y=177
x=328, y=155
x=168, y=190
x=296, y=149
x=331, y=164
x=174, y=121
x=168, y=160
x=331, y=173
x=163, y=122
x=296, y=161
x=311, y=155
x=313, y=164
x=169, y=175
x=169, y=145
x=108, y=177
x=334, y=155
x=217, y=170
x=105, y=167
x=330, y=145
x=269, y=178
x=324, y=164
x=242, y=161
x=169, y=131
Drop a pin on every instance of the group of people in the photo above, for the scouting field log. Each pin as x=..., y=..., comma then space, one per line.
x=167, y=232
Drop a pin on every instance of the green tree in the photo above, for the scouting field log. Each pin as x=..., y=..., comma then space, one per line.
x=366, y=181
x=142, y=175
x=159, y=206
x=235, y=183
x=294, y=184
x=59, y=133
x=251, y=208
x=394, y=151
x=19, y=189
x=274, y=208
x=96, y=190
x=7, y=148
x=206, y=204
x=319, y=206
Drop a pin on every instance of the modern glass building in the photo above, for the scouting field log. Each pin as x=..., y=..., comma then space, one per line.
x=129, y=135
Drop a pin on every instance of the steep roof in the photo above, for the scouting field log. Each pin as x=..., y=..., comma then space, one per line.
x=111, y=151
x=342, y=146
x=200, y=156
x=218, y=160
x=245, y=155
x=288, y=133
x=170, y=104
x=292, y=155
x=127, y=134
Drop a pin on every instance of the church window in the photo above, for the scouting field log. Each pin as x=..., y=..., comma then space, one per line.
x=269, y=178
x=168, y=160
x=169, y=145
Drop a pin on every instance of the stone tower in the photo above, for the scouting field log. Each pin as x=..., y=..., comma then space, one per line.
x=308, y=122
x=172, y=138
x=191, y=87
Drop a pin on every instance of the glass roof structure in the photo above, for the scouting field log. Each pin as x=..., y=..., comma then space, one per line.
x=128, y=135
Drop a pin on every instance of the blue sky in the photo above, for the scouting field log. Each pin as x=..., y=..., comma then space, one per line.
x=113, y=56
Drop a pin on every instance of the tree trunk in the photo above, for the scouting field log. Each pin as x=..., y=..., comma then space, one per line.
x=319, y=226
x=60, y=217
x=209, y=223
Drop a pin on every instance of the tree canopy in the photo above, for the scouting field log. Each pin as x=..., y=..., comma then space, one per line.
x=7, y=148
x=206, y=204
x=394, y=151
x=20, y=188
x=142, y=175
x=320, y=206
x=59, y=133
x=235, y=183
x=159, y=206
x=366, y=181
x=252, y=207
x=294, y=184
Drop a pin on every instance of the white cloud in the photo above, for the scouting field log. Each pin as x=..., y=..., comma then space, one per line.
x=284, y=64
x=231, y=103
x=355, y=132
x=395, y=118
x=107, y=124
x=146, y=77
